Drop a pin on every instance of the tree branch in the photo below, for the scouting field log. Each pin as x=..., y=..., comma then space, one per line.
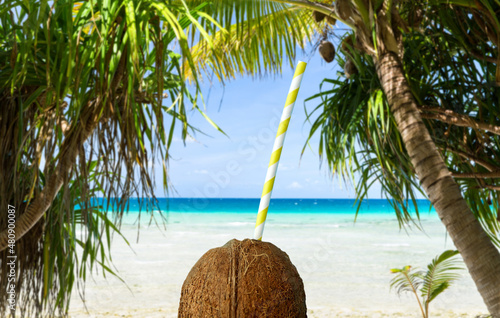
x=471, y=157
x=491, y=187
x=479, y=56
x=451, y=117
x=479, y=175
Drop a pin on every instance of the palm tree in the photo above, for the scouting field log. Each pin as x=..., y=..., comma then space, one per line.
x=378, y=28
x=84, y=89
x=464, y=229
x=440, y=274
x=377, y=32
x=115, y=82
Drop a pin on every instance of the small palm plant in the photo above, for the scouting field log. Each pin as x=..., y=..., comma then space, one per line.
x=440, y=274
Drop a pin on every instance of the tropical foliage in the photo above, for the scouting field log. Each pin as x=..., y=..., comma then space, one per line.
x=457, y=98
x=106, y=81
x=74, y=245
x=92, y=92
x=358, y=136
x=430, y=283
x=85, y=88
x=424, y=80
x=258, y=37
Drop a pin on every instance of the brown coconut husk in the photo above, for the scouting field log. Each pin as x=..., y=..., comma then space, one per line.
x=327, y=51
x=343, y=9
x=349, y=68
x=246, y=278
x=318, y=16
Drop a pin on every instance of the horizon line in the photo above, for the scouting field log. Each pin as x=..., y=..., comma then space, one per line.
x=258, y=198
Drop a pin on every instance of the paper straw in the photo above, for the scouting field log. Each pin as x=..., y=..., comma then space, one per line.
x=278, y=146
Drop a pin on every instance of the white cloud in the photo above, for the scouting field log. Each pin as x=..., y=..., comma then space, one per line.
x=294, y=185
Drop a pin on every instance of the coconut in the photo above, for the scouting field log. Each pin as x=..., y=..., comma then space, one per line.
x=349, y=68
x=327, y=51
x=318, y=16
x=343, y=9
x=246, y=278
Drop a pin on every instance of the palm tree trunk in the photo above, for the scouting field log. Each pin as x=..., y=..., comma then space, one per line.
x=480, y=255
x=69, y=151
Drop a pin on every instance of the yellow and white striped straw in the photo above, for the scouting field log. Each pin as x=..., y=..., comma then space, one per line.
x=278, y=146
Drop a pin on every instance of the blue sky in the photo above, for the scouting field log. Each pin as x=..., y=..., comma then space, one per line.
x=248, y=110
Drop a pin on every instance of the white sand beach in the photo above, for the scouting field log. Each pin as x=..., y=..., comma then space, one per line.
x=344, y=266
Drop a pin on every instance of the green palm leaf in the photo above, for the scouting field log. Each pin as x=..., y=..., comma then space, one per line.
x=358, y=136
x=441, y=272
x=264, y=35
x=112, y=69
x=407, y=281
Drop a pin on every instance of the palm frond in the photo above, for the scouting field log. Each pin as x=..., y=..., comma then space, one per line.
x=85, y=87
x=441, y=272
x=407, y=281
x=358, y=137
x=264, y=35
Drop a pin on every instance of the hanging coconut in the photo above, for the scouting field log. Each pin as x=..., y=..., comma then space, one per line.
x=246, y=278
x=327, y=51
x=318, y=16
x=349, y=68
x=343, y=9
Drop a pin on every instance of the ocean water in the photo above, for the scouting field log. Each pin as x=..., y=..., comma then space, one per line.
x=301, y=206
x=344, y=261
x=236, y=212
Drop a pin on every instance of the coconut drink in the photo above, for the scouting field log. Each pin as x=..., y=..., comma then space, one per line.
x=249, y=278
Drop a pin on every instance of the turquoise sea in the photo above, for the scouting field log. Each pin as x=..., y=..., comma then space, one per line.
x=305, y=211
x=237, y=205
